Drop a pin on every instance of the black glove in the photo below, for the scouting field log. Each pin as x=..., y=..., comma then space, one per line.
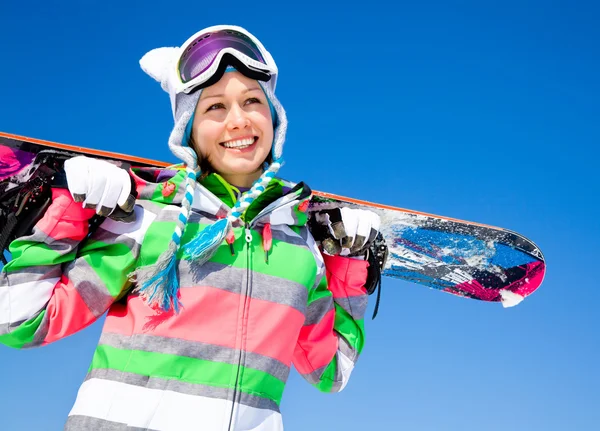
x=345, y=231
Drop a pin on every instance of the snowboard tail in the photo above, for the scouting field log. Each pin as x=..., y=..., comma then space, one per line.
x=463, y=258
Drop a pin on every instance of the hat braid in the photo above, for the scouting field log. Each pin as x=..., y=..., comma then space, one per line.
x=158, y=284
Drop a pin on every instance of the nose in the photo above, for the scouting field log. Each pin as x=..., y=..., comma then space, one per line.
x=237, y=118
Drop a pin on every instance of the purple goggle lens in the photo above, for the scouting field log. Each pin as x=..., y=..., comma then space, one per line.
x=200, y=55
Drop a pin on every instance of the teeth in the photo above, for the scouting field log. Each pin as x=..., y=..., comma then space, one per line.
x=240, y=143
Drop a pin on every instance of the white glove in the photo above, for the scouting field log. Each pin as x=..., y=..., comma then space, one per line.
x=345, y=231
x=99, y=185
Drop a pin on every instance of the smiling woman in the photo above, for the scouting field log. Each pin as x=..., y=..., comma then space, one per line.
x=233, y=129
x=213, y=283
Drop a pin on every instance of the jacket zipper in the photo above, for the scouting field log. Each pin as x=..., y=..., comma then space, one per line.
x=246, y=296
x=248, y=237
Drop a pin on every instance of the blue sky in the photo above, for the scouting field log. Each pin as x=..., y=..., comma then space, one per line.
x=485, y=111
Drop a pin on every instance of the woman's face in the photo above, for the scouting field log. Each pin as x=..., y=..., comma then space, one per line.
x=233, y=128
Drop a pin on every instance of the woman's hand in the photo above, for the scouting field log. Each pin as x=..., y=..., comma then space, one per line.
x=100, y=185
x=345, y=231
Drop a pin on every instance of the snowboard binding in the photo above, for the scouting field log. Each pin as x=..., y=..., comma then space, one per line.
x=25, y=197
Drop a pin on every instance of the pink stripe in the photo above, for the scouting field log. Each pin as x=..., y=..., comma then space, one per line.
x=66, y=312
x=317, y=345
x=65, y=218
x=212, y=316
x=535, y=275
x=345, y=276
x=476, y=290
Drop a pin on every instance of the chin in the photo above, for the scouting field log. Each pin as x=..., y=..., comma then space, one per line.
x=243, y=168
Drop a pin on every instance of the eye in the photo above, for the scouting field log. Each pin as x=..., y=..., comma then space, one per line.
x=215, y=106
x=252, y=100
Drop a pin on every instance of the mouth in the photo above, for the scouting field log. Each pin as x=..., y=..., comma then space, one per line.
x=240, y=145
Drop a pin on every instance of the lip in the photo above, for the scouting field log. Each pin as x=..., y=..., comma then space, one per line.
x=248, y=149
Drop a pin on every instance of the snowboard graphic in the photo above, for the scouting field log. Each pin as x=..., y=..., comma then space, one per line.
x=463, y=258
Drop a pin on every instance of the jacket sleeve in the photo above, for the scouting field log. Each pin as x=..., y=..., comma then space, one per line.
x=54, y=285
x=333, y=333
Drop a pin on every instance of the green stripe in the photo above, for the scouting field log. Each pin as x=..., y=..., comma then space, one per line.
x=111, y=262
x=189, y=370
x=286, y=261
x=156, y=241
x=322, y=291
x=327, y=378
x=26, y=254
x=24, y=333
x=352, y=330
x=302, y=271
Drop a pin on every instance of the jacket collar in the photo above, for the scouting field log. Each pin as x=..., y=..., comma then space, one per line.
x=282, y=202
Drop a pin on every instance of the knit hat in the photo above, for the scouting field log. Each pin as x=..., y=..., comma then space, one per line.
x=158, y=284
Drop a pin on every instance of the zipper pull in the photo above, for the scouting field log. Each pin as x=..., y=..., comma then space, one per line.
x=248, y=235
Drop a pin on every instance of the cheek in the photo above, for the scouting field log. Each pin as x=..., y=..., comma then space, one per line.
x=264, y=122
x=206, y=134
x=269, y=135
x=269, y=138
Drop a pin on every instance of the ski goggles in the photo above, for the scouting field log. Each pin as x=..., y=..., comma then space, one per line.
x=205, y=56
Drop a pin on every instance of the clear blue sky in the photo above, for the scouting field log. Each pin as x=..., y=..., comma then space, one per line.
x=485, y=111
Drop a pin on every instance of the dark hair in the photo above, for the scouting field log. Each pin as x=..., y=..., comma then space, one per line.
x=206, y=168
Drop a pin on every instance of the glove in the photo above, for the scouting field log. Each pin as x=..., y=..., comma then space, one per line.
x=100, y=185
x=345, y=231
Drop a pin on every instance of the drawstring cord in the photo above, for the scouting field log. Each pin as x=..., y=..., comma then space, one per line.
x=267, y=240
x=230, y=239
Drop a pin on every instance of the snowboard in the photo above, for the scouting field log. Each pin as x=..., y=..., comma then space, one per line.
x=463, y=258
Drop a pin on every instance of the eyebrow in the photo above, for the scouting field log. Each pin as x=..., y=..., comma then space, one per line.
x=247, y=90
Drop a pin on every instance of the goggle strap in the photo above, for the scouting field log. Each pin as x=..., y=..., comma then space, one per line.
x=231, y=60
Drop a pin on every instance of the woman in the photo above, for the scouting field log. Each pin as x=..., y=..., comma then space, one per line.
x=213, y=284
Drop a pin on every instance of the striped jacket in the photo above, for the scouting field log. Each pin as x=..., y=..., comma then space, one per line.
x=221, y=363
